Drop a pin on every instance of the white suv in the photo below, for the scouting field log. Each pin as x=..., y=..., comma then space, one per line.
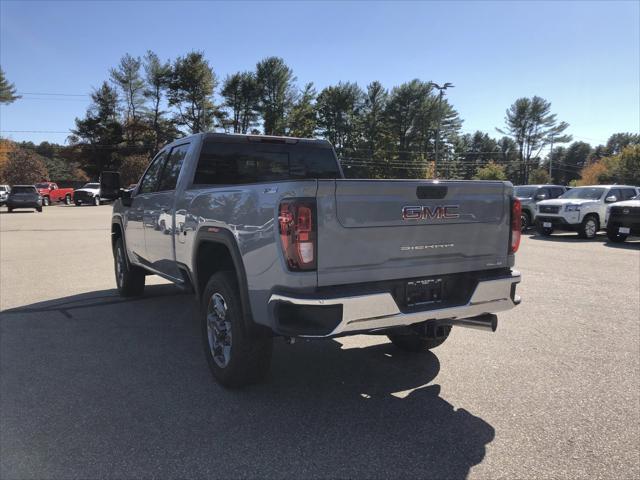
x=4, y=193
x=581, y=209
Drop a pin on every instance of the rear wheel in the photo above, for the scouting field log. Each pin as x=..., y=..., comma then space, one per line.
x=129, y=278
x=10, y=209
x=96, y=201
x=415, y=342
x=614, y=236
x=46, y=201
x=78, y=204
x=589, y=227
x=544, y=231
x=67, y=200
x=236, y=356
x=39, y=209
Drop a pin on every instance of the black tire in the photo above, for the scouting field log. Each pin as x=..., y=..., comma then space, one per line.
x=614, y=236
x=78, y=204
x=67, y=200
x=525, y=219
x=545, y=232
x=414, y=342
x=236, y=356
x=129, y=278
x=39, y=209
x=46, y=202
x=589, y=227
x=96, y=201
x=10, y=210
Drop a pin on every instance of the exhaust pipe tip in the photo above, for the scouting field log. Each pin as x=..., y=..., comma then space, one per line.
x=487, y=322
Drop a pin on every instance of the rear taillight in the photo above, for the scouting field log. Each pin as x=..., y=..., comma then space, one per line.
x=297, y=225
x=516, y=225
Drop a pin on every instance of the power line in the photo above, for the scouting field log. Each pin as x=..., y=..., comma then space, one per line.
x=56, y=94
x=33, y=131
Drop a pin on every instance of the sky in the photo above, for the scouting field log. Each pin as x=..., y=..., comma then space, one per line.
x=583, y=56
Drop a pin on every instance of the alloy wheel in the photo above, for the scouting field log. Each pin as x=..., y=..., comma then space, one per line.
x=219, y=330
x=120, y=266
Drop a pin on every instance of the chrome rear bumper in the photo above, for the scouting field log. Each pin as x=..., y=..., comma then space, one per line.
x=380, y=311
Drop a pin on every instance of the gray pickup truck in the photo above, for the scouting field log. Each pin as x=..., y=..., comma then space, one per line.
x=274, y=241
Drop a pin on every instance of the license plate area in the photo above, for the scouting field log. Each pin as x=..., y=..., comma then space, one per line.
x=624, y=230
x=547, y=224
x=423, y=292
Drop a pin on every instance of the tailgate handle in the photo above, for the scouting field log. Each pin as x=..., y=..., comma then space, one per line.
x=431, y=191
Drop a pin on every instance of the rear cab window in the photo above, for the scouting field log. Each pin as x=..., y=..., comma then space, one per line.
x=24, y=190
x=244, y=162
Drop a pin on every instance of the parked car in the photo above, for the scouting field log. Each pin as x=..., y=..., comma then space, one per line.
x=50, y=193
x=24, y=196
x=4, y=193
x=530, y=195
x=581, y=209
x=623, y=219
x=276, y=242
x=89, y=194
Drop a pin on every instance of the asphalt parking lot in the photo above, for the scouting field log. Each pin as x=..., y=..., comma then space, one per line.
x=95, y=386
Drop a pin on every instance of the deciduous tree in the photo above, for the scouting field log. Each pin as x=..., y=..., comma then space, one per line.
x=491, y=171
x=25, y=167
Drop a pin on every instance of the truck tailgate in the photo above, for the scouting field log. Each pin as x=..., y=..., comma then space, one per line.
x=448, y=227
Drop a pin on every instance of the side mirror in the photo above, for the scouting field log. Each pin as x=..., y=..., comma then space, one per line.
x=110, y=185
x=541, y=196
x=611, y=199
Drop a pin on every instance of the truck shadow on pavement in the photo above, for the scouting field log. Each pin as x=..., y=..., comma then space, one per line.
x=98, y=386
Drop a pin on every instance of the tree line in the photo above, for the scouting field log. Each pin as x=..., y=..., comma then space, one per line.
x=378, y=132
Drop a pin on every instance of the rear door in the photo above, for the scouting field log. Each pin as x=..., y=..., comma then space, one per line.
x=159, y=215
x=392, y=229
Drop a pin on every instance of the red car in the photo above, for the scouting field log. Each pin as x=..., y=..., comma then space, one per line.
x=51, y=193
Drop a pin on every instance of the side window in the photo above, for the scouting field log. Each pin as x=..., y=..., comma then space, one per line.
x=545, y=192
x=555, y=192
x=627, y=193
x=169, y=177
x=149, y=182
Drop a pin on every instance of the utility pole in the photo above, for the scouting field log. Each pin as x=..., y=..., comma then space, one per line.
x=441, y=88
x=550, y=159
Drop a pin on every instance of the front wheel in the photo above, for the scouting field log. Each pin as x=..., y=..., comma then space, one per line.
x=542, y=230
x=525, y=221
x=96, y=201
x=415, y=342
x=589, y=227
x=10, y=210
x=129, y=278
x=39, y=209
x=236, y=356
x=67, y=200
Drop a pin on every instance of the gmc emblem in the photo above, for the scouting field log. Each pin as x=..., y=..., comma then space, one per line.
x=439, y=212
